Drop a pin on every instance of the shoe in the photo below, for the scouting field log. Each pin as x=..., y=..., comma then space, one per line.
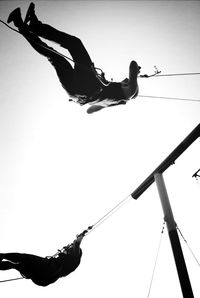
x=30, y=16
x=15, y=17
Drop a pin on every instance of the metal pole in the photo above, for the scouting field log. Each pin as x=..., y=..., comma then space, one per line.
x=174, y=239
x=169, y=160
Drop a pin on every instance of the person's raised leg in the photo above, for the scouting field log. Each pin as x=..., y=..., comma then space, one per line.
x=12, y=257
x=5, y=265
x=63, y=68
x=73, y=44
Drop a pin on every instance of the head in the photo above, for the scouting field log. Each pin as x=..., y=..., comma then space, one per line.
x=134, y=68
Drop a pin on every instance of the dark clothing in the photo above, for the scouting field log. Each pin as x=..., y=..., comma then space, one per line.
x=113, y=91
x=42, y=271
x=81, y=81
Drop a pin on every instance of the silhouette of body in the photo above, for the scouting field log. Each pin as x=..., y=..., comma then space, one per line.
x=44, y=271
x=81, y=81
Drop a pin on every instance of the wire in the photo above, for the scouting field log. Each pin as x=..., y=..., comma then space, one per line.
x=9, y=26
x=156, y=260
x=156, y=74
x=172, y=98
x=99, y=222
x=12, y=279
x=178, y=74
x=109, y=213
x=188, y=246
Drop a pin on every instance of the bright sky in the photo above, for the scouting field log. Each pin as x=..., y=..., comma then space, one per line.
x=62, y=169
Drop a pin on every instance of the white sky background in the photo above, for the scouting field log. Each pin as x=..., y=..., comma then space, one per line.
x=62, y=169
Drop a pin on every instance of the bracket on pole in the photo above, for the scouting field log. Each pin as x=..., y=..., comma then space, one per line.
x=196, y=174
x=174, y=239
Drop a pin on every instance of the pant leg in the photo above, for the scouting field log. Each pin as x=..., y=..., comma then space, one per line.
x=28, y=265
x=83, y=80
x=13, y=261
x=5, y=265
x=73, y=44
x=62, y=67
x=13, y=257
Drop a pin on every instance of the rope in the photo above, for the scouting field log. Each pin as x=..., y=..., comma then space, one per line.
x=170, y=74
x=106, y=216
x=109, y=213
x=156, y=260
x=98, y=223
x=188, y=246
x=11, y=279
x=9, y=26
x=179, y=74
x=173, y=98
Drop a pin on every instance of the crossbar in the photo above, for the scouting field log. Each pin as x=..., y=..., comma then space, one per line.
x=169, y=160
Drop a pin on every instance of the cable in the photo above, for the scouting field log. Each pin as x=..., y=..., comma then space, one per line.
x=12, y=279
x=156, y=74
x=98, y=223
x=178, y=74
x=172, y=98
x=156, y=260
x=188, y=246
x=105, y=217
x=9, y=26
x=108, y=214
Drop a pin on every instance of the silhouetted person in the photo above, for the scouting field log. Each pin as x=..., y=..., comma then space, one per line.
x=44, y=271
x=81, y=82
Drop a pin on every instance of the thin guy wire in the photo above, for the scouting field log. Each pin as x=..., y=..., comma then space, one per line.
x=156, y=260
x=188, y=246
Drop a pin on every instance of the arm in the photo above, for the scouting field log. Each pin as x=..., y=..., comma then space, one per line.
x=125, y=81
x=76, y=244
x=130, y=87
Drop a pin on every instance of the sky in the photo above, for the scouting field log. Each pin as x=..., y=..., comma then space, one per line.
x=63, y=169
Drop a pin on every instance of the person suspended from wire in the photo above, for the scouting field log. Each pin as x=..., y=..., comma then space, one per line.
x=45, y=271
x=82, y=82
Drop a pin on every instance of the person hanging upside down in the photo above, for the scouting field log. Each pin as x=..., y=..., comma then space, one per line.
x=44, y=271
x=82, y=82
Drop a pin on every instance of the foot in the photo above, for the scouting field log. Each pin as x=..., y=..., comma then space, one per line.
x=31, y=17
x=15, y=17
x=30, y=13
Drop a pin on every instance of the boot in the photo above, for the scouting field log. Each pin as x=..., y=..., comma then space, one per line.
x=15, y=17
x=31, y=17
